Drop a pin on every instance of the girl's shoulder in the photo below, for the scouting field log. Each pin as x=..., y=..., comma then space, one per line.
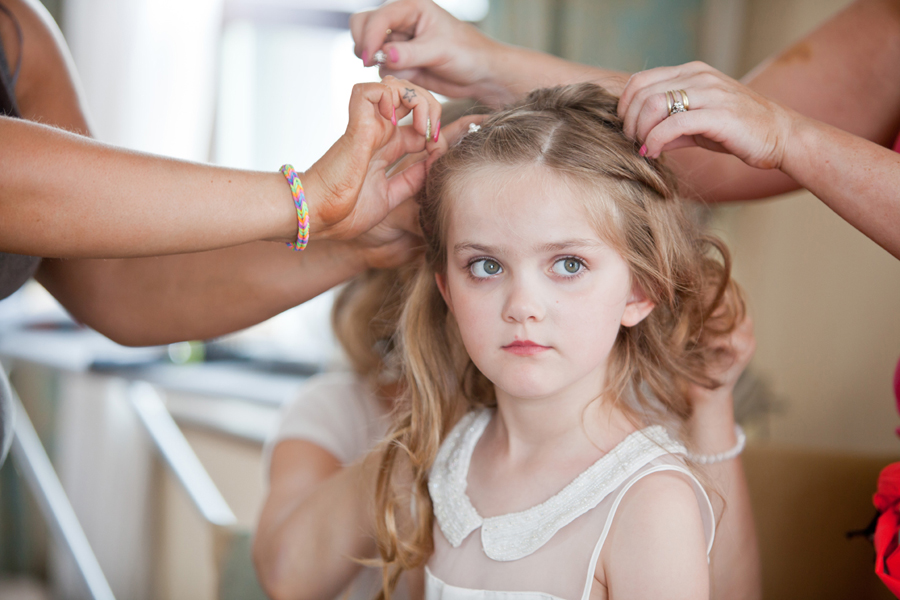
x=660, y=538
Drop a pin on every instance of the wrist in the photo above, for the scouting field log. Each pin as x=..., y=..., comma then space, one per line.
x=312, y=188
x=503, y=63
x=734, y=450
x=322, y=216
x=283, y=209
x=800, y=139
x=710, y=428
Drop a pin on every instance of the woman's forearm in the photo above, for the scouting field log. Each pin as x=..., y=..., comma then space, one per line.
x=857, y=179
x=843, y=74
x=199, y=295
x=734, y=562
x=94, y=200
x=515, y=71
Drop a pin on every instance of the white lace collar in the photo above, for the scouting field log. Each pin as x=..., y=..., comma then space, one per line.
x=516, y=535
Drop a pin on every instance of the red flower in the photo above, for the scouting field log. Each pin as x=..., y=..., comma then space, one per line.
x=887, y=530
x=897, y=379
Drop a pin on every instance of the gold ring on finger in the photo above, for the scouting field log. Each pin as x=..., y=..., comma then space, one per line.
x=684, y=99
x=676, y=104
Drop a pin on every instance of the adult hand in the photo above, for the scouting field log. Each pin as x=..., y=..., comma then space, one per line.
x=426, y=45
x=733, y=354
x=349, y=191
x=393, y=242
x=398, y=238
x=724, y=115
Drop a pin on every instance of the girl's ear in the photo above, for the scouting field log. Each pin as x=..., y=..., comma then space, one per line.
x=637, y=308
x=441, y=281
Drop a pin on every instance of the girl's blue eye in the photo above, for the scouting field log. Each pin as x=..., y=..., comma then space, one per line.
x=485, y=267
x=568, y=266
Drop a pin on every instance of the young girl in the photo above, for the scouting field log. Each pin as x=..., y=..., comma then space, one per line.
x=550, y=340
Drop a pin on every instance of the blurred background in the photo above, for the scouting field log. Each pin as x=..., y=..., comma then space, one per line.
x=167, y=480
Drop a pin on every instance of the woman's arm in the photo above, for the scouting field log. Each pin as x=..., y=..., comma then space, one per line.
x=64, y=195
x=856, y=178
x=159, y=300
x=317, y=516
x=431, y=47
x=734, y=562
x=185, y=296
x=844, y=74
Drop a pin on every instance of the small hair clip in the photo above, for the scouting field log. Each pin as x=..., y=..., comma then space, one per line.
x=473, y=127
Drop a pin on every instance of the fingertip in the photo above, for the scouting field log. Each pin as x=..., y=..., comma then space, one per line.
x=643, y=150
x=365, y=58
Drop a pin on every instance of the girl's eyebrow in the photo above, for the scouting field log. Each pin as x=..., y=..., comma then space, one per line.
x=467, y=246
x=567, y=244
x=547, y=247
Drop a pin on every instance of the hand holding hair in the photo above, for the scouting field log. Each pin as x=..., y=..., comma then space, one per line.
x=422, y=42
x=354, y=191
x=106, y=202
x=723, y=115
x=855, y=177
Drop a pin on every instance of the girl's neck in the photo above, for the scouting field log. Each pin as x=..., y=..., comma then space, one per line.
x=570, y=421
x=534, y=447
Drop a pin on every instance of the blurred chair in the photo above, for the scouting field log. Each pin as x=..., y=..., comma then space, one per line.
x=236, y=577
x=35, y=467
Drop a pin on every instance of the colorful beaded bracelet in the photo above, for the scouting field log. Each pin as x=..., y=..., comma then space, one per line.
x=300, y=202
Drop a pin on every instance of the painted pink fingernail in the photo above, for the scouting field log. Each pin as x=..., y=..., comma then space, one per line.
x=395, y=56
x=365, y=58
x=438, y=132
x=643, y=150
x=393, y=115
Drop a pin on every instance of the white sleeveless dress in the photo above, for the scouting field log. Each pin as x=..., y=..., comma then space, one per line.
x=548, y=552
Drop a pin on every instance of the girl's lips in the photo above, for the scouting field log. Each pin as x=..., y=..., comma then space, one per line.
x=525, y=348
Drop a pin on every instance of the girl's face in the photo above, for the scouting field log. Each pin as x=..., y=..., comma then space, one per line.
x=538, y=296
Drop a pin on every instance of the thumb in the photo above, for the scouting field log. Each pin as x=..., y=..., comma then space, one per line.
x=415, y=53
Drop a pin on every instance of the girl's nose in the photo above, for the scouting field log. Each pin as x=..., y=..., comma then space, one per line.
x=523, y=302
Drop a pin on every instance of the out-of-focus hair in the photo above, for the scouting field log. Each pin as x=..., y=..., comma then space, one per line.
x=365, y=318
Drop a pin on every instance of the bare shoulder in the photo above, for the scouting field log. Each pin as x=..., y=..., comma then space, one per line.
x=656, y=545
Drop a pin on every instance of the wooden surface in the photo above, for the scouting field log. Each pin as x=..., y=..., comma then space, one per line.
x=805, y=502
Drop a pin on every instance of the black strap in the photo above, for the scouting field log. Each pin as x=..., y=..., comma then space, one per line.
x=8, y=78
x=15, y=269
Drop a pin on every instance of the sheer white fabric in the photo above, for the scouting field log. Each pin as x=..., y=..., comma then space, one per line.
x=336, y=411
x=549, y=550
